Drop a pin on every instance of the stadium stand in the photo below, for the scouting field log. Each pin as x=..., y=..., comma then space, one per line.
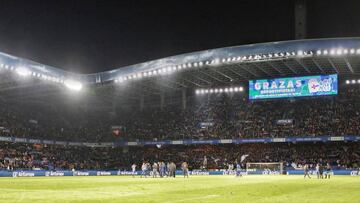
x=231, y=116
x=52, y=119
x=25, y=156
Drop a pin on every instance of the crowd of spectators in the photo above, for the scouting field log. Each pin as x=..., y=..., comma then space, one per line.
x=206, y=117
x=55, y=157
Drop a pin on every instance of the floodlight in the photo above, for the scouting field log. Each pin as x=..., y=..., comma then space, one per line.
x=73, y=85
x=339, y=51
x=22, y=71
x=347, y=81
x=352, y=51
x=241, y=89
x=300, y=53
x=318, y=52
x=353, y=81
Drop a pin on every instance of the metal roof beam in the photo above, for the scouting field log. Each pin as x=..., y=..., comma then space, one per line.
x=277, y=69
x=194, y=83
x=252, y=73
x=302, y=65
x=263, y=70
x=223, y=74
x=236, y=73
x=317, y=65
x=175, y=82
x=287, y=66
x=202, y=79
x=332, y=65
x=348, y=65
x=211, y=76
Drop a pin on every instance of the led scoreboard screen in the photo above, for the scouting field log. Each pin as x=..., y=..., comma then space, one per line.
x=293, y=87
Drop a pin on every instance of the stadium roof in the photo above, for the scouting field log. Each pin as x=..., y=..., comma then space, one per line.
x=210, y=68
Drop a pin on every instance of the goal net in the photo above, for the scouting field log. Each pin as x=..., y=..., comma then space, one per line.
x=265, y=168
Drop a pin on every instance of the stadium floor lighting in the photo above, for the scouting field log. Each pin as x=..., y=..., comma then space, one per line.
x=73, y=85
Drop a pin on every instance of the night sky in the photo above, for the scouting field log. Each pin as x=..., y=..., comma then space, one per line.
x=91, y=36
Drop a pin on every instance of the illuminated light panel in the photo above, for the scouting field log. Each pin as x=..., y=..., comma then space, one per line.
x=22, y=71
x=73, y=85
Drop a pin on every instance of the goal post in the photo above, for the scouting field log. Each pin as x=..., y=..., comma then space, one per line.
x=265, y=167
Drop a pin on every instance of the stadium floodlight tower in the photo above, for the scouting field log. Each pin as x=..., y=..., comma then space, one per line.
x=73, y=85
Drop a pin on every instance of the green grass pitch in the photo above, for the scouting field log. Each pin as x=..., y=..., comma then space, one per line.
x=254, y=188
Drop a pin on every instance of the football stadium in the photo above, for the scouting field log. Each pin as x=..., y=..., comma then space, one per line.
x=263, y=122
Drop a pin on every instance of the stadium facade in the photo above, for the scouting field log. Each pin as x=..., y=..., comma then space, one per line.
x=177, y=82
x=174, y=79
